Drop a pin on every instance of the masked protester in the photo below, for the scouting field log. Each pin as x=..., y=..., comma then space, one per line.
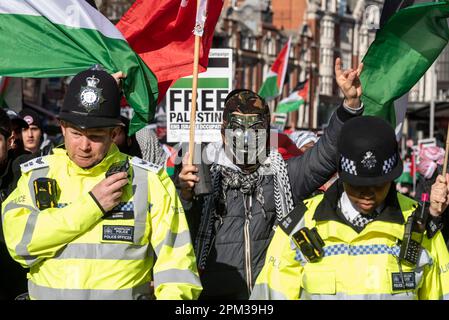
x=254, y=188
x=93, y=223
x=361, y=239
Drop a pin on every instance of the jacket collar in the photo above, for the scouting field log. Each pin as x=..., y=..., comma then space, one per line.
x=328, y=209
x=112, y=156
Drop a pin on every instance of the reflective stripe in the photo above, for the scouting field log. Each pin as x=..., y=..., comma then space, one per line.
x=124, y=206
x=121, y=207
x=23, y=252
x=445, y=297
x=262, y=291
x=115, y=251
x=140, y=200
x=176, y=276
x=12, y=205
x=174, y=240
x=340, y=249
x=21, y=248
x=343, y=296
x=45, y=293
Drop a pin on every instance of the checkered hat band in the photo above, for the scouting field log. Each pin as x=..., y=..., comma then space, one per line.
x=348, y=165
x=345, y=249
x=389, y=164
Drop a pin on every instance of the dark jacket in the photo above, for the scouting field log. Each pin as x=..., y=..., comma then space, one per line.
x=238, y=252
x=13, y=279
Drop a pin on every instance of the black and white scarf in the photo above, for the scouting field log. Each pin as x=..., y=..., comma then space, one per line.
x=225, y=178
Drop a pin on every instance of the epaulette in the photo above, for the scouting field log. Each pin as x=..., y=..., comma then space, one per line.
x=136, y=161
x=33, y=164
x=293, y=218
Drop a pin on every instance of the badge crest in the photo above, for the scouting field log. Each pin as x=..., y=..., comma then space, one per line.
x=369, y=160
x=91, y=96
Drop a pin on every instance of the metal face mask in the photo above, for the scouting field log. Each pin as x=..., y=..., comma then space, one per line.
x=246, y=139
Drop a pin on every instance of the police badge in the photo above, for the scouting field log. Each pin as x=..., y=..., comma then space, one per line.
x=369, y=160
x=91, y=96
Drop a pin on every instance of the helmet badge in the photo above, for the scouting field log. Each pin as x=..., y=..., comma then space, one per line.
x=369, y=160
x=91, y=96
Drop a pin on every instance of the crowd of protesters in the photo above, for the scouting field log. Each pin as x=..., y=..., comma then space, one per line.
x=275, y=214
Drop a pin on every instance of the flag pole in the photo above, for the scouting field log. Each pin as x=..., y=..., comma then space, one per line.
x=194, y=98
x=196, y=58
x=446, y=153
x=445, y=160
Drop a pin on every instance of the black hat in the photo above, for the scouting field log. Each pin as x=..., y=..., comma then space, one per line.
x=30, y=117
x=368, y=152
x=17, y=122
x=5, y=123
x=92, y=101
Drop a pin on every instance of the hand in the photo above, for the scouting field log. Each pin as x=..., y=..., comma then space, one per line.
x=438, y=196
x=349, y=83
x=108, y=191
x=118, y=76
x=187, y=179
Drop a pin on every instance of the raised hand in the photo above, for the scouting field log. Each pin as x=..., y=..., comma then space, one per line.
x=438, y=196
x=118, y=76
x=109, y=190
x=349, y=83
x=187, y=179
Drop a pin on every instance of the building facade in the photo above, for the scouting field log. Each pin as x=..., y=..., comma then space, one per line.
x=321, y=31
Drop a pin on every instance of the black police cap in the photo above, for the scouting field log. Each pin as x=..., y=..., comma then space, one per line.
x=92, y=101
x=368, y=152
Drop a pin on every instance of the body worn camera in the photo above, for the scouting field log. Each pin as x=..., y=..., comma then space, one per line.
x=310, y=244
x=118, y=167
x=45, y=191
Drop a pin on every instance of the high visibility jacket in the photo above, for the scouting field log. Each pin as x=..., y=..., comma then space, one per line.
x=355, y=265
x=74, y=251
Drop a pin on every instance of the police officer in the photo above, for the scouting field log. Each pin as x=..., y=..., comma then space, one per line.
x=361, y=239
x=93, y=223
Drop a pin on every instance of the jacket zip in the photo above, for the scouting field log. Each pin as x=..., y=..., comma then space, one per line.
x=248, y=269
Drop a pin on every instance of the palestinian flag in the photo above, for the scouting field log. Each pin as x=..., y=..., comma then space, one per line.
x=172, y=154
x=272, y=86
x=295, y=99
x=160, y=31
x=392, y=6
x=404, y=49
x=56, y=38
x=400, y=105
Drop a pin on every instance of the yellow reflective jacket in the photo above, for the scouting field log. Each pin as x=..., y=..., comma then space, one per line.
x=75, y=252
x=355, y=265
